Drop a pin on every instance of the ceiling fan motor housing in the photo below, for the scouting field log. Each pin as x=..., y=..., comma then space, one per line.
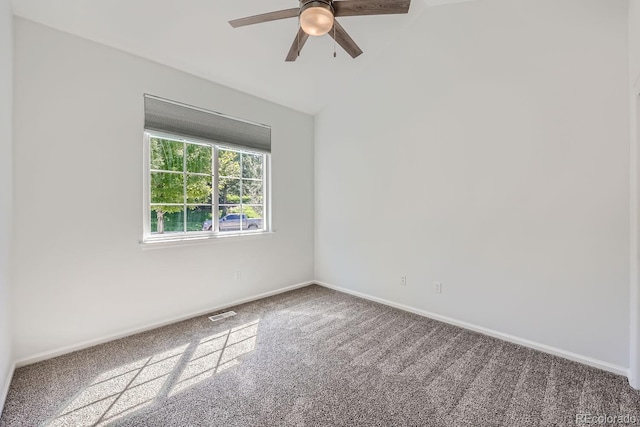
x=316, y=17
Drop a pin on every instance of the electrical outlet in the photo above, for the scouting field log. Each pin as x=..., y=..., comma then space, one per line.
x=403, y=280
x=437, y=287
x=236, y=275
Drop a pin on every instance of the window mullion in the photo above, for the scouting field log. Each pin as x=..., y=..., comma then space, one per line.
x=266, y=194
x=241, y=194
x=184, y=187
x=147, y=184
x=215, y=183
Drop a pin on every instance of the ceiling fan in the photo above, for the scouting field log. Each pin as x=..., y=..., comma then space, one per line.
x=317, y=17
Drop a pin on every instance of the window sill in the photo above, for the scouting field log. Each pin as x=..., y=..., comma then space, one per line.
x=172, y=242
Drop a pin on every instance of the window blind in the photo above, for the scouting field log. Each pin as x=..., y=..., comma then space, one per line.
x=172, y=117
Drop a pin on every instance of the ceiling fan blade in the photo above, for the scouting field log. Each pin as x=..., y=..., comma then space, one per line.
x=370, y=7
x=296, y=47
x=265, y=17
x=344, y=39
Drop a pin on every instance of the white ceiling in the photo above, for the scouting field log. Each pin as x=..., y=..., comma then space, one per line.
x=194, y=36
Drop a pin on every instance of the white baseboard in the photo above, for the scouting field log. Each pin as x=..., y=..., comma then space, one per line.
x=5, y=389
x=606, y=366
x=633, y=382
x=90, y=343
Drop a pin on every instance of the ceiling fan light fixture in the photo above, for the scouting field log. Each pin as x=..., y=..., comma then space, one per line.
x=316, y=17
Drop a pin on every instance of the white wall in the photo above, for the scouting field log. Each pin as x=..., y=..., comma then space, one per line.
x=80, y=273
x=634, y=101
x=6, y=190
x=634, y=39
x=489, y=151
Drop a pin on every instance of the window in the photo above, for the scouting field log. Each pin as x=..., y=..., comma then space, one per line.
x=196, y=188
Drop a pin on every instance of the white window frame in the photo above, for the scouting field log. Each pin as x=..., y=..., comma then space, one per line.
x=214, y=234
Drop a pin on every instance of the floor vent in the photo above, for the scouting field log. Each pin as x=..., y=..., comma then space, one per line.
x=222, y=316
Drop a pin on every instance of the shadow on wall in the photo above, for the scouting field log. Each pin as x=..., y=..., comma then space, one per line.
x=140, y=384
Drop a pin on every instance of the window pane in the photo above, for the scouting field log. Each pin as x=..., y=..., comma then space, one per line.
x=252, y=211
x=167, y=219
x=229, y=218
x=228, y=210
x=252, y=192
x=167, y=187
x=252, y=165
x=254, y=217
x=229, y=191
x=198, y=189
x=167, y=155
x=199, y=218
x=199, y=158
x=181, y=180
x=228, y=163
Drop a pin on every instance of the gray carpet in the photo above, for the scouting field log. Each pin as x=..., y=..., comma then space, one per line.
x=312, y=357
